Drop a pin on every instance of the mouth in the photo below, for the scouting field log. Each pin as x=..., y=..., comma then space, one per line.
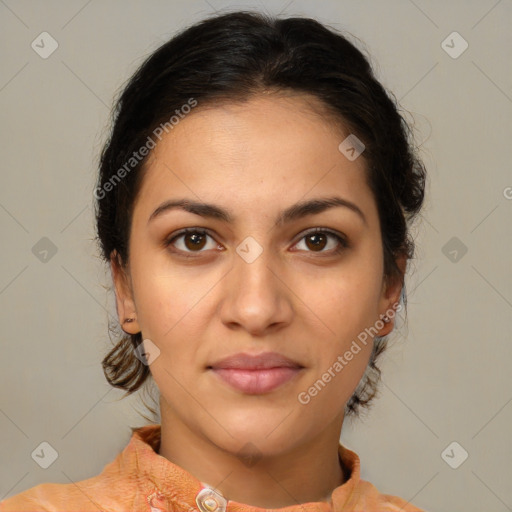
x=256, y=374
x=256, y=382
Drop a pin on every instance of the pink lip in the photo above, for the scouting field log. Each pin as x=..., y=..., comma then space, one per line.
x=256, y=374
x=265, y=360
x=254, y=382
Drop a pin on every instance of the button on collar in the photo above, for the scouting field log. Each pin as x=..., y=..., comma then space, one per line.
x=156, y=502
x=209, y=500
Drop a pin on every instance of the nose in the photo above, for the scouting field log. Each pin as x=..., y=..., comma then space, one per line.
x=255, y=296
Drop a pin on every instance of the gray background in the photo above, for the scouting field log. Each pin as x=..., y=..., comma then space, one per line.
x=446, y=375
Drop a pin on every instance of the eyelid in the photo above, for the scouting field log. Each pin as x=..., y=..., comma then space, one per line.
x=342, y=242
x=168, y=241
x=329, y=231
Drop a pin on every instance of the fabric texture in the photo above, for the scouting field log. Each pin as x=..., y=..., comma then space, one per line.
x=139, y=479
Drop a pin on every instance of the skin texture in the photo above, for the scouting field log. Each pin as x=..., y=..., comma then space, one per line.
x=297, y=298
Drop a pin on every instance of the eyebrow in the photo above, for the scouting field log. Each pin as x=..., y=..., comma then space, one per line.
x=294, y=212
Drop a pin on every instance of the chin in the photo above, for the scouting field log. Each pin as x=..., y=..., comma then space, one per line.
x=250, y=449
x=264, y=434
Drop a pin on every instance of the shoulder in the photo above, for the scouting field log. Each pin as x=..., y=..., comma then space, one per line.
x=119, y=487
x=90, y=495
x=113, y=487
x=370, y=497
x=358, y=494
x=49, y=497
x=399, y=505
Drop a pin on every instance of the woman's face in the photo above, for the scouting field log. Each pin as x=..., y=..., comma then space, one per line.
x=260, y=281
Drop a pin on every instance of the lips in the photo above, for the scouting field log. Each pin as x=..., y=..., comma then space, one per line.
x=256, y=374
x=243, y=361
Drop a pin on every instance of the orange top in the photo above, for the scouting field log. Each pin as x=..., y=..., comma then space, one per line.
x=139, y=479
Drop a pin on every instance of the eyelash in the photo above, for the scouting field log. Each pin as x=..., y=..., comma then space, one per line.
x=343, y=243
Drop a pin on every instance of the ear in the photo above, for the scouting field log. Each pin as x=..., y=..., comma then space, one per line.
x=391, y=291
x=124, y=298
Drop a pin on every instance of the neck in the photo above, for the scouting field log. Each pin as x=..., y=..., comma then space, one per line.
x=306, y=472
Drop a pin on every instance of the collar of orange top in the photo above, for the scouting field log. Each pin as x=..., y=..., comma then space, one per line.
x=177, y=486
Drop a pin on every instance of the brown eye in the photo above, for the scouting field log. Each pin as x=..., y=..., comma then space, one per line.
x=316, y=241
x=190, y=240
x=194, y=241
x=320, y=239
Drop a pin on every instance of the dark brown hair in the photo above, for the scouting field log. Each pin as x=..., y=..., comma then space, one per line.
x=228, y=58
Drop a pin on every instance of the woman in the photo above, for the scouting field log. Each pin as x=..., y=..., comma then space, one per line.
x=254, y=202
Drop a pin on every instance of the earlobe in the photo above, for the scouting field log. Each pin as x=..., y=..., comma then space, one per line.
x=391, y=297
x=125, y=305
x=388, y=320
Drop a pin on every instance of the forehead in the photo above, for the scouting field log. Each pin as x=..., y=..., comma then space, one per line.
x=266, y=151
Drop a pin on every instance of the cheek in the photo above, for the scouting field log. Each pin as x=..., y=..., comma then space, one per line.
x=330, y=385
x=345, y=299
x=172, y=305
x=161, y=293
x=344, y=307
